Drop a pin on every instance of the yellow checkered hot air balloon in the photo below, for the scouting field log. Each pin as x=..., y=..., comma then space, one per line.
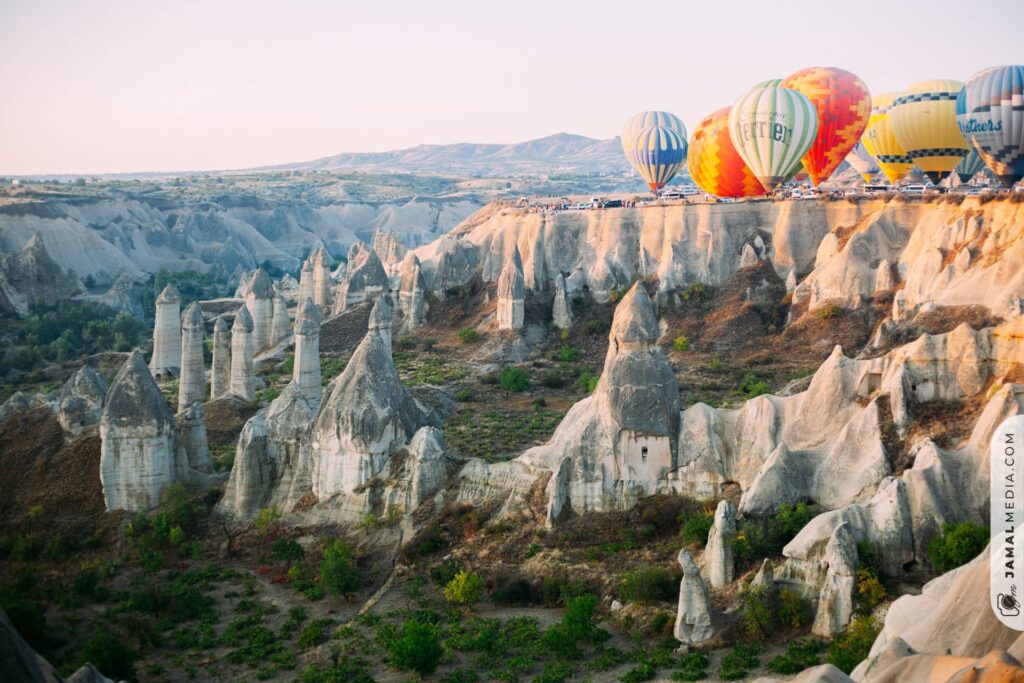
x=924, y=119
x=880, y=140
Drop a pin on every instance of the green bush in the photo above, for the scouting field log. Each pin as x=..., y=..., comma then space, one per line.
x=762, y=537
x=739, y=661
x=870, y=592
x=464, y=589
x=693, y=666
x=514, y=380
x=464, y=395
x=568, y=354
x=587, y=381
x=287, y=550
x=111, y=655
x=468, y=335
x=650, y=584
x=681, y=343
x=752, y=385
x=339, y=573
x=696, y=527
x=517, y=592
x=314, y=633
x=828, y=311
x=417, y=649
x=799, y=655
x=958, y=545
x=639, y=673
x=850, y=649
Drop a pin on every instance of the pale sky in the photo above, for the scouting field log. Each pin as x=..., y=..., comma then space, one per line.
x=98, y=86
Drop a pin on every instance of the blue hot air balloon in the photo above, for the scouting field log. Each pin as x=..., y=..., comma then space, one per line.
x=656, y=153
x=971, y=164
x=990, y=111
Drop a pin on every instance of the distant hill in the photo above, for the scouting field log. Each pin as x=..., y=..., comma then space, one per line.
x=560, y=153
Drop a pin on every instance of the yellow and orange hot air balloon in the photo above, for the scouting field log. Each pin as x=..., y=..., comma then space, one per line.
x=714, y=163
x=843, y=102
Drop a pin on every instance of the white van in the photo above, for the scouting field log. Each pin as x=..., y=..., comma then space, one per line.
x=914, y=189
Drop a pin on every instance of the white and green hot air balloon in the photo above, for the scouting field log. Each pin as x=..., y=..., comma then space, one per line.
x=772, y=129
x=646, y=119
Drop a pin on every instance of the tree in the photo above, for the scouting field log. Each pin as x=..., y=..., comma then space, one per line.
x=464, y=589
x=418, y=649
x=111, y=655
x=959, y=544
x=339, y=573
x=514, y=380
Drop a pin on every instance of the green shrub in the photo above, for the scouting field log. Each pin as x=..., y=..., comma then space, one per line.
x=681, y=343
x=417, y=649
x=347, y=670
x=553, y=379
x=851, y=648
x=752, y=385
x=799, y=655
x=287, y=550
x=429, y=344
x=739, y=661
x=464, y=589
x=762, y=537
x=639, y=673
x=468, y=335
x=314, y=633
x=514, y=380
x=958, y=545
x=517, y=592
x=111, y=655
x=405, y=343
x=650, y=584
x=696, y=527
x=828, y=311
x=587, y=381
x=461, y=676
x=568, y=354
x=870, y=592
x=339, y=573
x=464, y=395
x=693, y=666
x=794, y=611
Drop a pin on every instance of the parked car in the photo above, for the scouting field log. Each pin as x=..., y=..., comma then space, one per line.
x=913, y=189
x=611, y=204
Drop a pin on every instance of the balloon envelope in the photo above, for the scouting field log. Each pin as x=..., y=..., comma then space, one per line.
x=971, y=164
x=924, y=119
x=714, y=163
x=843, y=103
x=657, y=153
x=772, y=129
x=990, y=112
x=645, y=119
x=862, y=162
x=880, y=140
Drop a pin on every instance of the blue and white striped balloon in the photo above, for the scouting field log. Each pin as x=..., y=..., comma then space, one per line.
x=990, y=111
x=657, y=153
x=645, y=119
x=971, y=164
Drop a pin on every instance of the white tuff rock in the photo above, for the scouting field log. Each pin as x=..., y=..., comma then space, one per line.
x=242, y=380
x=81, y=399
x=166, y=360
x=693, y=616
x=835, y=601
x=511, y=294
x=220, y=371
x=561, y=309
x=364, y=279
x=412, y=293
x=718, y=559
x=259, y=299
x=323, y=286
x=281, y=326
x=306, y=368
x=192, y=383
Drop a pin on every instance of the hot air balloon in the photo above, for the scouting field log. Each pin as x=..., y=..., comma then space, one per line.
x=772, y=129
x=971, y=164
x=990, y=111
x=770, y=83
x=638, y=122
x=862, y=162
x=880, y=141
x=657, y=153
x=714, y=163
x=844, y=106
x=924, y=119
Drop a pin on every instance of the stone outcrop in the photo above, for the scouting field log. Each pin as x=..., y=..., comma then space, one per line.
x=835, y=601
x=19, y=662
x=306, y=281
x=220, y=370
x=166, y=360
x=281, y=326
x=511, y=294
x=718, y=560
x=80, y=401
x=561, y=309
x=192, y=382
x=364, y=280
x=242, y=378
x=367, y=416
x=259, y=299
x=323, y=286
x=306, y=367
x=30, y=276
x=694, y=624
x=138, y=459
x=412, y=293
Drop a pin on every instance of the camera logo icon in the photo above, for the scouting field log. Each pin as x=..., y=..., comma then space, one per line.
x=1008, y=605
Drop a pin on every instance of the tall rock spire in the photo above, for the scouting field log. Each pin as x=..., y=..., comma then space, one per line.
x=365, y=278
x=192, y=383
x=412, y=293
x=220, y=371
x=322, y=284
x=512, y=294
x=306, y=368
x=381, y=317
x=259, y=299
x=281, y=326
x=306, y=280
x=561, y=309
x=242, y=384
x=166, y=360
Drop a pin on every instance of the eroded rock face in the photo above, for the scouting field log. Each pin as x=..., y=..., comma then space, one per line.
x=81, y=399
x=220, y=370
x=365, y=278
x=30, y=275
x=718, y=558
x=412, y=294
x=192, y=383
x=512, y=294
x=323, y=286
x=242, y=379
x=561, y=309
x=306, y=368
x=281, y=327
x=367, y=416
x=835, y=602
x=259, y=300
x=693, y=617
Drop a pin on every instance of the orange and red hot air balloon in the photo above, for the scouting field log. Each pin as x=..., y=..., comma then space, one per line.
x=714, y=163
x=844, y=107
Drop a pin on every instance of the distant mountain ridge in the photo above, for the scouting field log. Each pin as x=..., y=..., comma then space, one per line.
x=559, y=153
